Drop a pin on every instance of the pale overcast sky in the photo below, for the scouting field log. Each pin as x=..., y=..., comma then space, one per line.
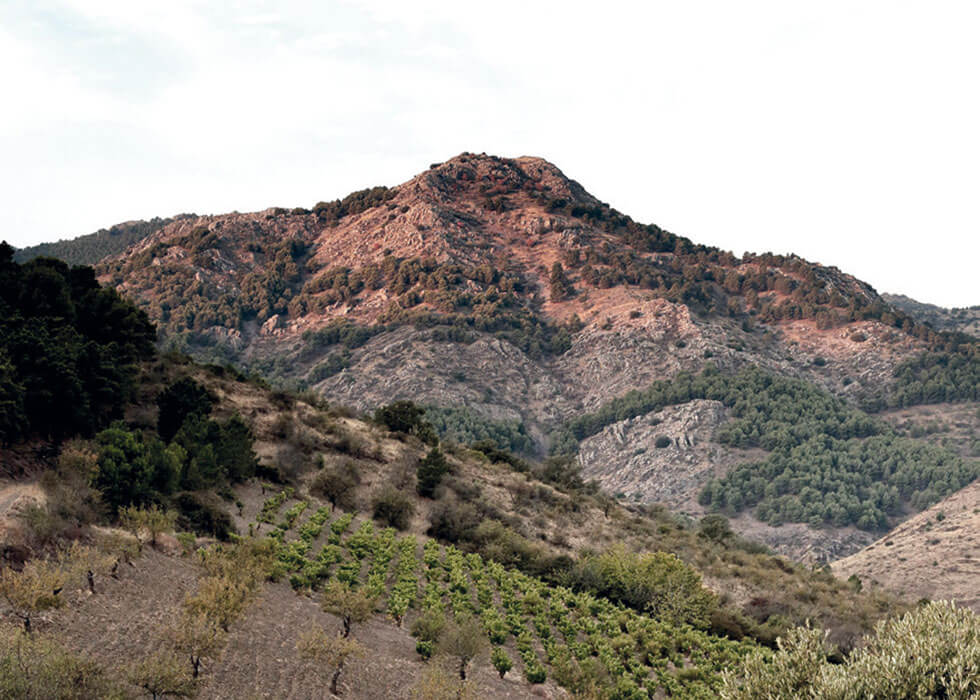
x=844, y=131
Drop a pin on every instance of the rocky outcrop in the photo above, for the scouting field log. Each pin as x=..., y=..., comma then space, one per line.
x=663, y=457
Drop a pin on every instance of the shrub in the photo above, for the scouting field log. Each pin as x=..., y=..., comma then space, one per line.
x=338, y=484
x=429, y=626
x=658, y=583
x=203, y=515
x=715, y=527
x=453, y=521
x=501, y=661
x=930, y=652
x=392, y=507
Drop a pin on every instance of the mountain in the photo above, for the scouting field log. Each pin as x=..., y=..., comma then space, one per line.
x=317, y=546
x=964, y=320
x=519, y=307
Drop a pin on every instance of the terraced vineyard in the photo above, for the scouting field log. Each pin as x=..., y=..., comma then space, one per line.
x=575, y=638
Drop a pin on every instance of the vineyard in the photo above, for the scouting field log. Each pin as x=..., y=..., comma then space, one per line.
x=580, y=641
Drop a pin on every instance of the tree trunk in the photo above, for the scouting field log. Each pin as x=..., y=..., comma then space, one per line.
x=334, y=680
x=462, y=669
x=27, y=623
x=196, y=663
x=346, y=627
x=91, y=581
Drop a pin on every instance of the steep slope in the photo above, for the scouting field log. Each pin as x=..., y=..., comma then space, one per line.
x=511, y=548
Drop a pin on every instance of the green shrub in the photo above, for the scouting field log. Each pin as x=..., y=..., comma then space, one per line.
x=453, y=521
x=392, y=507
x=406, y=417
x=930, y=652
x=204, y=515
x=658, y=583
x=501, y=661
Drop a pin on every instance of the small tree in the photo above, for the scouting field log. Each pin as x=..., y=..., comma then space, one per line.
x=438, y=683
x=406, y=417
x=36, y=667
x=329, y=653
x=561, y=287
x=153, y=521
x=430, y=472
x=34, y=589
x=463, y=641
x=83, y=563
x=162, y=675
x=221, y=599
x=199, y=637
x=350, y=605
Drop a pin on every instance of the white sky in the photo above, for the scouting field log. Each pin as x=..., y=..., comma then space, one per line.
x=846, y=132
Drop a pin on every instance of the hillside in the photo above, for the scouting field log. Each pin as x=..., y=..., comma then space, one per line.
x=964, y=320
x=510, y=548
x=935, y=554
x=505, y=296
x=318, y=547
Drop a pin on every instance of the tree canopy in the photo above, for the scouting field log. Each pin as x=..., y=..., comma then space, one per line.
x=68, y=349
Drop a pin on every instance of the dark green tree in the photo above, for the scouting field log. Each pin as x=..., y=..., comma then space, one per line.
x=180, y=400
x=431, y=469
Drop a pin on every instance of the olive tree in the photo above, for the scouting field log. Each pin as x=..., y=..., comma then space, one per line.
x=329, y=653
x=349, y=604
